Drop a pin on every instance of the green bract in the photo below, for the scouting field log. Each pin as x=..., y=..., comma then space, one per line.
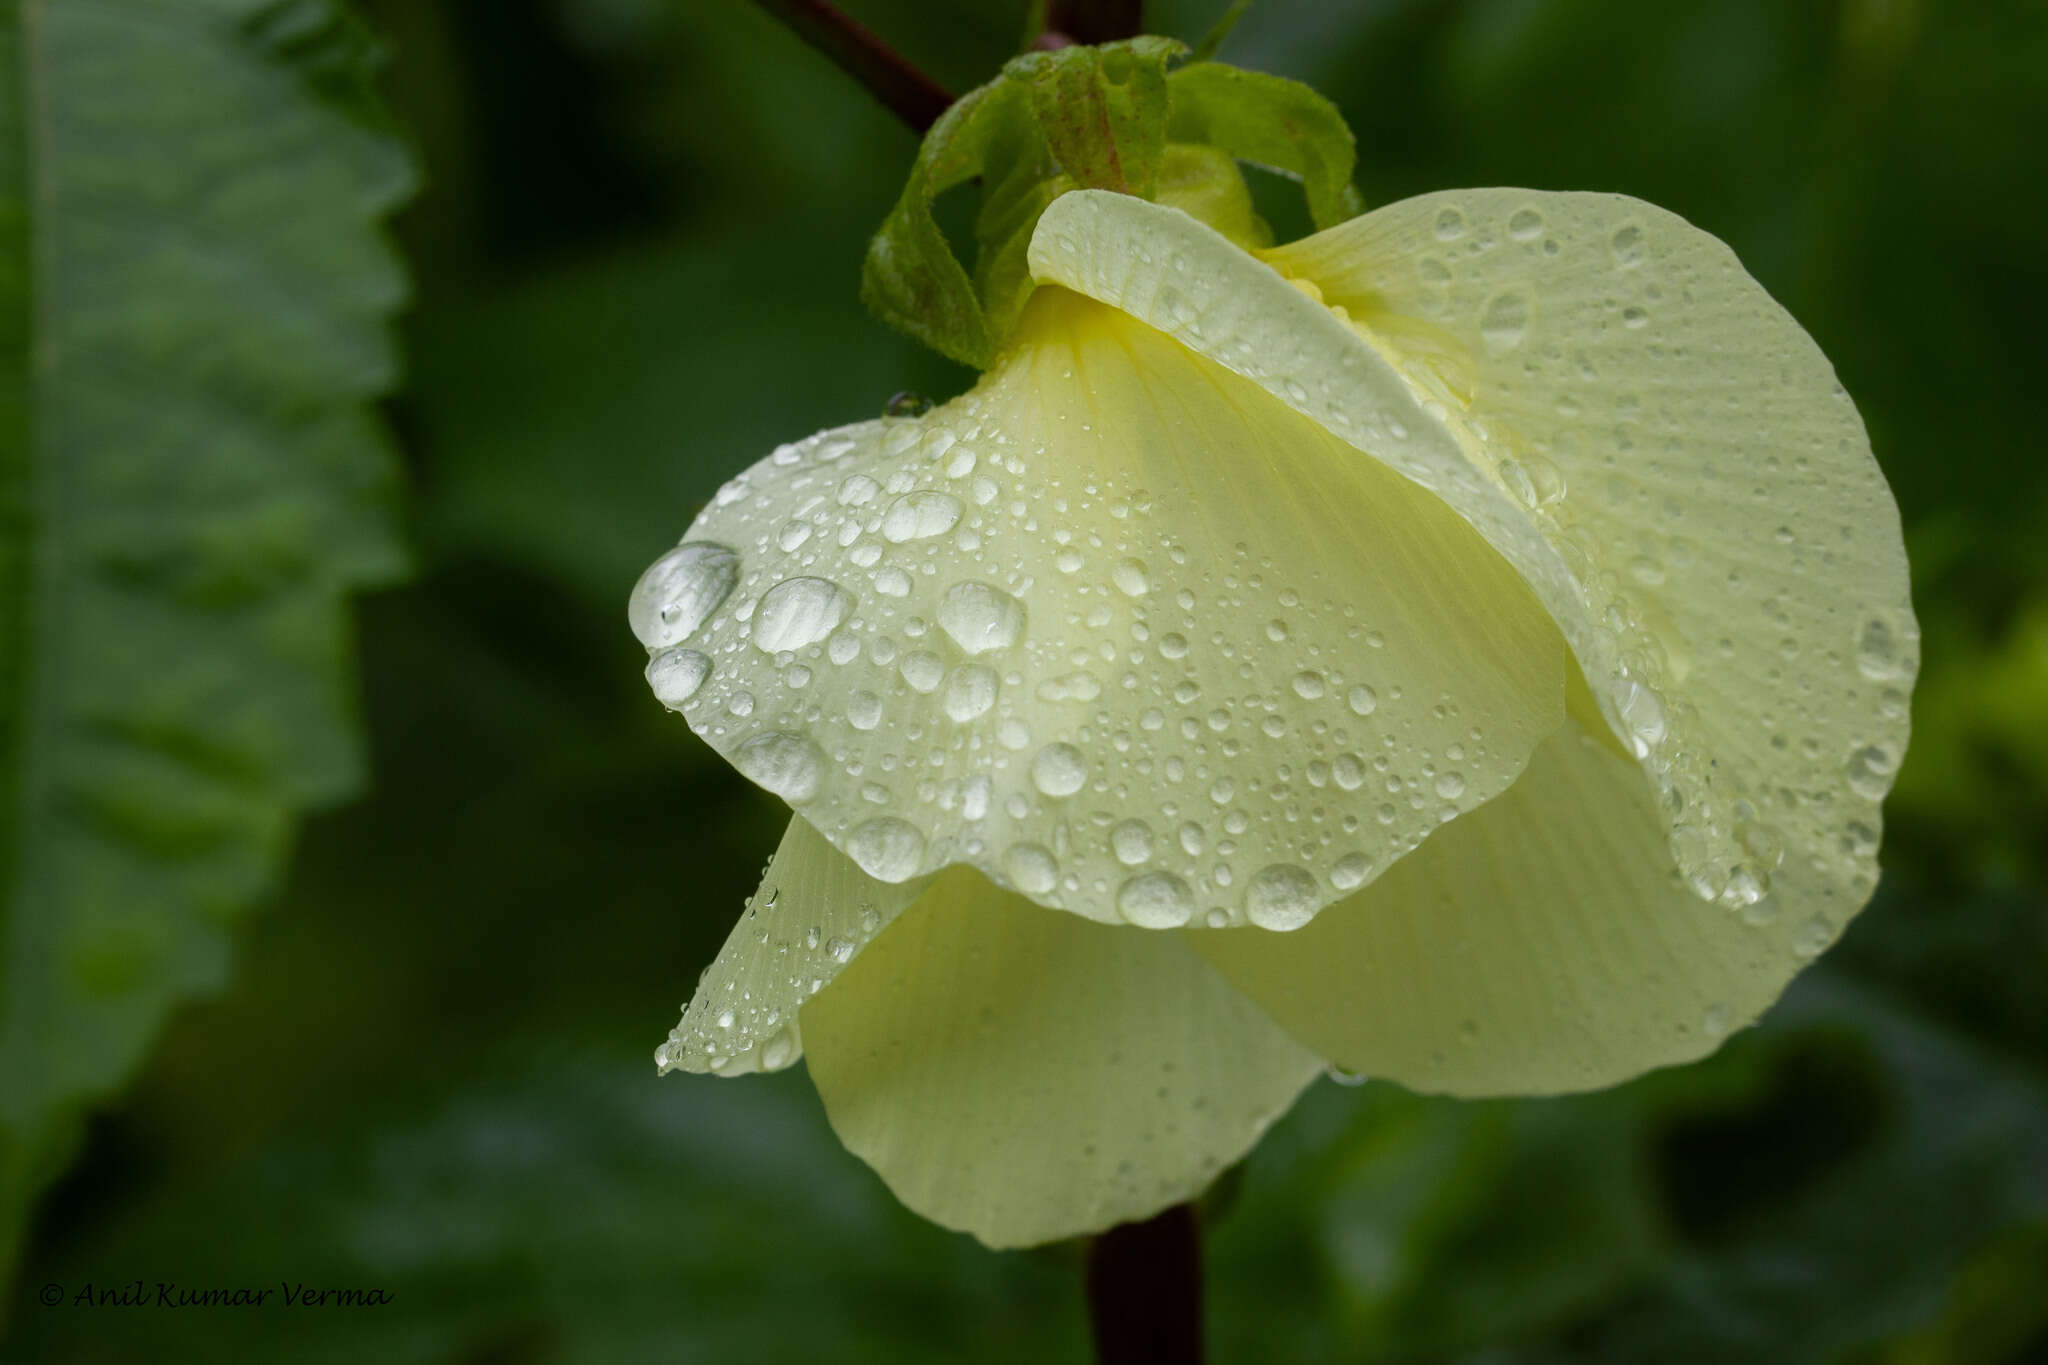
x=1108, y=117
x=1468, y=646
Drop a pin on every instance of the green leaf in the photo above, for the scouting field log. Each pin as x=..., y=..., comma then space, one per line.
x=193, y=300
x=555, y=1204
x=1277, y=123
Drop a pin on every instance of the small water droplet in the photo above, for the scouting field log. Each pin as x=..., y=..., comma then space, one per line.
x=1871, y=769
x=971, y=692
x=906, y=404
x=1526, y=225
x=1628, y=247
x=864, y=710
x=779, y=1051
x=1129, y=577
x=1308, y=685
x=1364, y=701
x=1505, y=320
x=1450, y=225
x=1641, y=716
x=675, y=674
x=922, y=670
x=1131, y=841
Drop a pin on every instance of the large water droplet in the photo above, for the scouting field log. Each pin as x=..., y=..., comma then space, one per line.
x=919, y=516
x=797, y=612
x=679, y=591
x=887, y=849
x=1058, y=770
x=1281, y=897
x=980, y=618
x=1156, y=900
x=675, y=675
x=786, y=764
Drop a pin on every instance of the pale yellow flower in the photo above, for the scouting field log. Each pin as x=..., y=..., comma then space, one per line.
x=1467, y=647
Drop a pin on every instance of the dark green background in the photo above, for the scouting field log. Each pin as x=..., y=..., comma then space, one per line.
x=635, y=270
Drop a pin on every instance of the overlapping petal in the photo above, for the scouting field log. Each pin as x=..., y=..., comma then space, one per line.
x=1599, y=389
x=813, y=912
x=1025, y=1075
x=1117, y=628
x=1544, y=943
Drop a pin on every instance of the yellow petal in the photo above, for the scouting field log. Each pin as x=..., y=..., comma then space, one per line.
x=1543, y=943
x=813, y=913
x=1599, y=389
x=1025, y=1076
x=1117, y=628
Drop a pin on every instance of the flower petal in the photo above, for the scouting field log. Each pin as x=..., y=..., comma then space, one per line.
x=1631, y=420
x=1543, y=943
x=1117, y=628
x=814, y=912
x=1024, y=1075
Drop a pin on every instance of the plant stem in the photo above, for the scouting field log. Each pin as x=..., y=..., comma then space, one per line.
x=1093, y=21
x=1145, y=1291
x=902, y=89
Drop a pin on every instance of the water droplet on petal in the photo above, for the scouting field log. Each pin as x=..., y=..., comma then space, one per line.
x=679, y=592
x=1364, y=701
x=919, y=516
x=786, y=764
x=798, y=612
x=1526, y=225
x=1156, y=900
x=1628, y=247
x=980, y=618
x=1871, y=769
x=886, y=848
x=971, y=692
x=1281, y=897
x=1131, y=841
x=1641, y=716
x=906, y=404
x=1129, y=577
x=1503, y=323
x=1032, y=868
x=675, y=675
x=1058, y=770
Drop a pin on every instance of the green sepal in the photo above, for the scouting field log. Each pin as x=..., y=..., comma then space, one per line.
x=1274, y=122
x=1108, y=117
x=1102, y=110
x=911, y=279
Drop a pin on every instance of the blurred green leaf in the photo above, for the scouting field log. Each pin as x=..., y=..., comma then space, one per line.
x=560, y=1205
x=192, y=309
